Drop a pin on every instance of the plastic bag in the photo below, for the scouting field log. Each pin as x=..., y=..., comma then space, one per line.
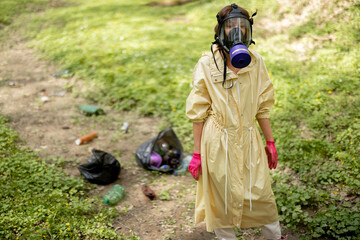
x=144, y=151
x=102, y=168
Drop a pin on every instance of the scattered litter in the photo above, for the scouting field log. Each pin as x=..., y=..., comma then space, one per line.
x=63, y=73
x=11, y=84
x=87, y=138
x=66, y=127
x=125, y=127
x=91, y=110
x=148, y=192
x=114, y=195
x=102, y=168
x=45, y=99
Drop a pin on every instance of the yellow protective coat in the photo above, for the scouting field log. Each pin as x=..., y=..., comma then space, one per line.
x=231, y=142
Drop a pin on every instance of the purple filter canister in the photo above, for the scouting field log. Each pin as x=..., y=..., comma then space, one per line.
x=240, y=56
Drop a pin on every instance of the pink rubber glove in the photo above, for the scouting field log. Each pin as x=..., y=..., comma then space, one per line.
x=195, y=166
x=271, y=154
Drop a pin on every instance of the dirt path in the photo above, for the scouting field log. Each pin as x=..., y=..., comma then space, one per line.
x=51, y=128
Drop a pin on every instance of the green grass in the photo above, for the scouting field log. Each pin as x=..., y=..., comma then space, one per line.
x=140, y=55
x=10, y=9
x=143, y=56
x=316, y=124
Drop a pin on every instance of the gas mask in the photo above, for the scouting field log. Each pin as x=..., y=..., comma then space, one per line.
x=235, y=36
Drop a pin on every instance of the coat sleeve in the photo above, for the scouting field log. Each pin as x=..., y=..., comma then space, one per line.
x=199, y=102
x=266, y=96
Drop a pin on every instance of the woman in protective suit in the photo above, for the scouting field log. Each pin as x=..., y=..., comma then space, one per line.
x=231, y=87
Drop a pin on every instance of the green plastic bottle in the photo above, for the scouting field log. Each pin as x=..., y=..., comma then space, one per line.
x=91, y=110
x=114, y=195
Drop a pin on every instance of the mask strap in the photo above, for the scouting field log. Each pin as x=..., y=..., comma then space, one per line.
x=224, y=74
x=251, y=20
x=215, y=42
x=223, y=83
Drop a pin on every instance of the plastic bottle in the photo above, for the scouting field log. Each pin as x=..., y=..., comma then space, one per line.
x=86, y=138
x=65, y=72
x=114, y=195
x=125, y=127
x=164, y=147
x=91, y=110
x=148, y=192
x=161, y=147
x=183, y=168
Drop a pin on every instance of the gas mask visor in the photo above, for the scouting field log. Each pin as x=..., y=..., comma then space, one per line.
x=235, y=37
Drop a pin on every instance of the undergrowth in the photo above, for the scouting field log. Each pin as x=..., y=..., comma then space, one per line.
x=40, y=201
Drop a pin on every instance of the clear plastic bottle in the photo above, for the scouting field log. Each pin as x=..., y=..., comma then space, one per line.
x=183, y=168
x=164, y=146
x=125, y=127
x=114, y=195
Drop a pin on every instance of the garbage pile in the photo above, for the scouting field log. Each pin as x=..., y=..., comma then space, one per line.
x=162, y=153
x=165, y=157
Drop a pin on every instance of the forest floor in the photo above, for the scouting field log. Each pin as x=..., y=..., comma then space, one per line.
x=51, y=128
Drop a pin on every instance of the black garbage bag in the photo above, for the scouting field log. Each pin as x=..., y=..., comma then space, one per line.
x=102, y=168
x=144, y=151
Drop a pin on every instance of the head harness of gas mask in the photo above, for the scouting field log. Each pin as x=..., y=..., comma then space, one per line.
x=234, y=35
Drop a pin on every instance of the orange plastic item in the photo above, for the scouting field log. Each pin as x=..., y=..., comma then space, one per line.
x=86, y=138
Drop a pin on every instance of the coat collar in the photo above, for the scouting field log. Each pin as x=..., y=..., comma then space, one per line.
x=220, y=62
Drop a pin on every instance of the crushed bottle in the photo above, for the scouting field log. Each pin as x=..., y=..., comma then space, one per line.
x=148, y=192
x=114, y=195
x=89, y=110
